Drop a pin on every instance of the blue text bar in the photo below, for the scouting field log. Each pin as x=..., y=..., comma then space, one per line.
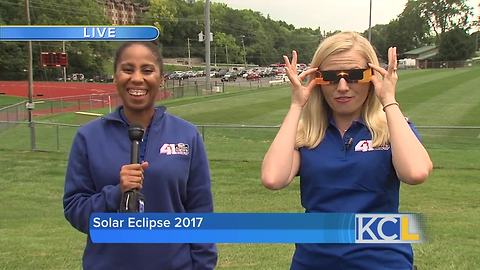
x=256, y=228
x=78, y=33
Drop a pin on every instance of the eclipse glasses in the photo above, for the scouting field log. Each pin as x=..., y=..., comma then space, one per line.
x=350, y=75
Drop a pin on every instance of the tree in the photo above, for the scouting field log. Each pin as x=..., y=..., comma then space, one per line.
x=379, y=39
x=398, y=33
x=456, y=45
x=163, y=15
x=53, y=12
x=412, y=29
x=443, y=15
x=227, y=47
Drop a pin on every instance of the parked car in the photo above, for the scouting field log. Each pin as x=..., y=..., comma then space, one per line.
x=189, y=74
x=221, y=73
x=253, y=76
x=242, y=72
x=78, y=77
x=282, y=77
x=176, y=75
x=229, y=77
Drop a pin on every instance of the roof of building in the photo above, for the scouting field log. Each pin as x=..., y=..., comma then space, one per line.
x=421, y=49
x=428, y=55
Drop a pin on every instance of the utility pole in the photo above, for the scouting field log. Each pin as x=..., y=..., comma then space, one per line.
x=64, y=68
x=370, y=23
x=226, y=52
x=215, y=54
x=476, y=41
x=30, y=104
x=189, y=59
x=244, y=52
x=207, y=44
x=478, y=31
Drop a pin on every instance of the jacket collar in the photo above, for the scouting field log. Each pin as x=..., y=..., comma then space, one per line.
x=119, y=116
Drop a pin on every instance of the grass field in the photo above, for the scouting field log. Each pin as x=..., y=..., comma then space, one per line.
x=9, y=100
x=35, y=234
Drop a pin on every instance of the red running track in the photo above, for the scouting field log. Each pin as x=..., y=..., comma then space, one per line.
x=42, y=90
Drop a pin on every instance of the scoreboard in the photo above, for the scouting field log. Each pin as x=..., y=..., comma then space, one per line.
x=53, y=59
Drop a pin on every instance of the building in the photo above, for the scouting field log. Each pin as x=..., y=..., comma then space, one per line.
x=422, y=55
x=122, y=12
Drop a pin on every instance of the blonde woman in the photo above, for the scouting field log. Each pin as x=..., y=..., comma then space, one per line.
x=347, y=139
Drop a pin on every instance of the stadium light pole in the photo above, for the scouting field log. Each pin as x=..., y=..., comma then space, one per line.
x=370, y=23
x=478, y=30
x=244, y=52
x=226, y=52
x=207, y=44
x=64, y=68
x=30, y=104
x=189, y=59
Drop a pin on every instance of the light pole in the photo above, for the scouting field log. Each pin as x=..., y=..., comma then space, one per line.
x=30, y=104
x=207, y=44
x=244, y=52
x=370, y=23
x=215, y=55
x=64, y=68
x=189, y=59
x=226, y=52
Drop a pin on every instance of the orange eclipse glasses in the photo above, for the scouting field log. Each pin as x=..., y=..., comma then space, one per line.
x=350, y=75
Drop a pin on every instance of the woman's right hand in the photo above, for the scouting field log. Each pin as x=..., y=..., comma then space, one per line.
x=300, y=92
x=131, y=176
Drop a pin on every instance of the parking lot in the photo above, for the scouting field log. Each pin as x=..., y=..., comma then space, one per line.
x=241, y=82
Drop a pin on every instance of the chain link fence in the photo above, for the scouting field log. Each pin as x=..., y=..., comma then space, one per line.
x=172, y=89
x=254, y=139
x=426, y=64
x=14, y=125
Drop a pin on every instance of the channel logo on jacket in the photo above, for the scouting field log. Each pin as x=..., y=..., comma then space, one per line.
x=175, y=149
x=387, y=228
x=367, y=145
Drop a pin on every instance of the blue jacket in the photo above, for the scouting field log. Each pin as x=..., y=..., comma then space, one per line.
x=177, y=180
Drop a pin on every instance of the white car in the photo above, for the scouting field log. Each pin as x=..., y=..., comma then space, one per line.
x=282, y=77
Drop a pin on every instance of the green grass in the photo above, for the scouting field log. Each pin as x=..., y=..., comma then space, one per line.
x=36, y=236
x=9, y=100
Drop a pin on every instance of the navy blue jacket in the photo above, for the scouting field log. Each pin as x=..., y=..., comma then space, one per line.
x=177, y=180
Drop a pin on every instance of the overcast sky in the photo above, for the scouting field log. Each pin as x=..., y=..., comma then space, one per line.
x=329, y=15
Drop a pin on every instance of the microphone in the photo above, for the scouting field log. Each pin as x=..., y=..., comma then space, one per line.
x=132, y=200
x=348, y=143
x=135, y=133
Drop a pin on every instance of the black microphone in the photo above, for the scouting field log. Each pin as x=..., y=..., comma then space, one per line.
x=348, y=143
x=132, y=200
x=135, y=133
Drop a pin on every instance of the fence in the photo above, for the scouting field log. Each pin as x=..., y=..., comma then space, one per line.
x=424, y=64
x=16, y=115
x=18, y=111
x=172, y=89
x=253, y=138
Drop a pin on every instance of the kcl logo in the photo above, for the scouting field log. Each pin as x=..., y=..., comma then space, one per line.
x=387, y=228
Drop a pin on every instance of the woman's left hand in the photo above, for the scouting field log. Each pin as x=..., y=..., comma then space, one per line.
x=385, y=89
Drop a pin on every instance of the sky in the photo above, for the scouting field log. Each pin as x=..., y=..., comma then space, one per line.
x=329, y=15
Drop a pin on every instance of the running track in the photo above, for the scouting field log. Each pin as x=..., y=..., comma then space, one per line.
x=43, y=90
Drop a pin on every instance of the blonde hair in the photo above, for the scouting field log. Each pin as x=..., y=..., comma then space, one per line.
x=314, y=120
